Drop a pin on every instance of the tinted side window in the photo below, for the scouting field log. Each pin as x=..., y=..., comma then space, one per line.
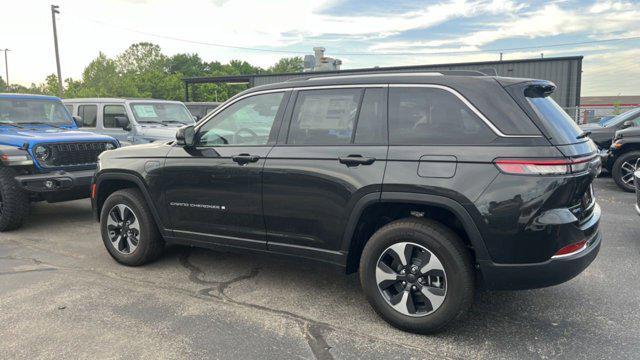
x=324, y=117
x=88, y=113
x=427, y=116
x=109, y=115
x=371, y=127
x=246, y=122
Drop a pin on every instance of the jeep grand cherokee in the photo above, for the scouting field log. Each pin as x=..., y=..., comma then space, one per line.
x=431, y=185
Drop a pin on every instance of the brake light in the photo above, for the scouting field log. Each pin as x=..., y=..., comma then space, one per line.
x=543, y=166
x=571, y=249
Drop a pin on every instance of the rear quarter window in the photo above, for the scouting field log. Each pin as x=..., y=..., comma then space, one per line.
x=430, y=116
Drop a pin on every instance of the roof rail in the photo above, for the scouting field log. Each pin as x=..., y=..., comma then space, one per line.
x=389, y=73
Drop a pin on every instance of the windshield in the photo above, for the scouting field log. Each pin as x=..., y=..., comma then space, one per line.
x=23, y=111
x=558, y=123
x=162, y=113
x=616, y=120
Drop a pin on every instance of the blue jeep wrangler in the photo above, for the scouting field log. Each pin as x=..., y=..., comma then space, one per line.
x=43, y=157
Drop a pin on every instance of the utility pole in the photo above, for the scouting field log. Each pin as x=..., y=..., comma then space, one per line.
x=54, y=11
x=6, y=66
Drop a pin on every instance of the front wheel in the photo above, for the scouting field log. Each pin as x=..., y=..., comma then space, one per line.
x=14, y=203
x=623, y=169
x=417, y=275
x=128, y=230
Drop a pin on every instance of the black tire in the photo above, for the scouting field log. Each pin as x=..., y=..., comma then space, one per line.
x=620, y=175
x=14, y=203
x=451, y=252
x=149, y=241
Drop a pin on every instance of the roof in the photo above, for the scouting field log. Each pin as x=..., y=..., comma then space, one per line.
x=116, y=100
x=28, y=96
x=202, y=103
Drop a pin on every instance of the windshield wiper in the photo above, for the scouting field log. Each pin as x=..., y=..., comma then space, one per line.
x=583, y=135
x=40, y=123
x=172, y=122
x=11, y=124
x=152, y=122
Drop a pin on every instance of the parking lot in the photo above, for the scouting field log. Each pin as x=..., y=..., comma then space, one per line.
x=61, y=295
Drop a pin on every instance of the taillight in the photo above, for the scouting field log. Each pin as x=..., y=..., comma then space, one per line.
x=571, y=249
x=93, y=191
x=543, y=166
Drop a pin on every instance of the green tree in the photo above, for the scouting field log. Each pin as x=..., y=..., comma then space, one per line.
x=3, y=85
x=187, y=65
x=142, y=70
x=102, y=79
x=140, y=58
x=288, y=65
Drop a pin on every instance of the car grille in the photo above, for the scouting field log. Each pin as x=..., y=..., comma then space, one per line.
x=73, y=154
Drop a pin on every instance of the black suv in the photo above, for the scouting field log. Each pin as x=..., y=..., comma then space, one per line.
x=624, y=157
x=429, y=184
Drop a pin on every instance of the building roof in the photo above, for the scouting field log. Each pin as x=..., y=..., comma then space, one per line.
x=247, y=78
x=633, y=100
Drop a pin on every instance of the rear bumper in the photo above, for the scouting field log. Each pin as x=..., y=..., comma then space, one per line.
x=58, y=186
x=551, y=272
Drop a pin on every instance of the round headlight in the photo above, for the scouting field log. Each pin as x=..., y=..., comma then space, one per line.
x=41, y=152
x=109, y=146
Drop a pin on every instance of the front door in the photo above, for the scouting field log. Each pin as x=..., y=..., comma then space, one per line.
x=109, y=125
x=214, y=190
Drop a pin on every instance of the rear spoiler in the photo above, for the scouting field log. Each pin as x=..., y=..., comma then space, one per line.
x=539, y=89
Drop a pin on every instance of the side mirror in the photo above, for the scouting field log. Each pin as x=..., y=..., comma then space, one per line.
x=77, y=120
x=185, y=135
x=123, y=122
x=627, y=124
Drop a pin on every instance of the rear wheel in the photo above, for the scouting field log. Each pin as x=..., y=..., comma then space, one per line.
x=14, y=203
x=128, y=230
x=417, y=275
x=623, y=170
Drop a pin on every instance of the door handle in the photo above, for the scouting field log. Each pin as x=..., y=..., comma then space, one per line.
x=245, y=158
x=356, y=160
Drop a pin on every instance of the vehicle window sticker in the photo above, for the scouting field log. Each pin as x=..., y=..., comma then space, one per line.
x=145, y=111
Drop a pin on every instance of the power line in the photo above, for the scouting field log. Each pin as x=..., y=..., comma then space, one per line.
x=496, y=50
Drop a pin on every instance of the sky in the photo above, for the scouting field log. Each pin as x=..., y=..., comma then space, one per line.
x=362, y=33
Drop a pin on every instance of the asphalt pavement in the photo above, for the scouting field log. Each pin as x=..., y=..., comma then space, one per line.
x=62, y=296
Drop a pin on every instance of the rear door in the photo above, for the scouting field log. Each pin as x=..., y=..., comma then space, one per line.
x=332, y=153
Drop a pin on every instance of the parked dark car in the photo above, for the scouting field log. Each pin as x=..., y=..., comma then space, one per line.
x=637, y=181
x=430, y=185
x=624, y=157
x=43, y=156
x=602, y=132
x=200, y=109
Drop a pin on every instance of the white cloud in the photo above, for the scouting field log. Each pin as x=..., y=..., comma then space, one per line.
x=550, y=20
x=278, y=23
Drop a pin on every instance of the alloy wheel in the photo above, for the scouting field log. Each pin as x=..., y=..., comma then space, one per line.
x=411, y=279
x=123, y=229
x=627, y=169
